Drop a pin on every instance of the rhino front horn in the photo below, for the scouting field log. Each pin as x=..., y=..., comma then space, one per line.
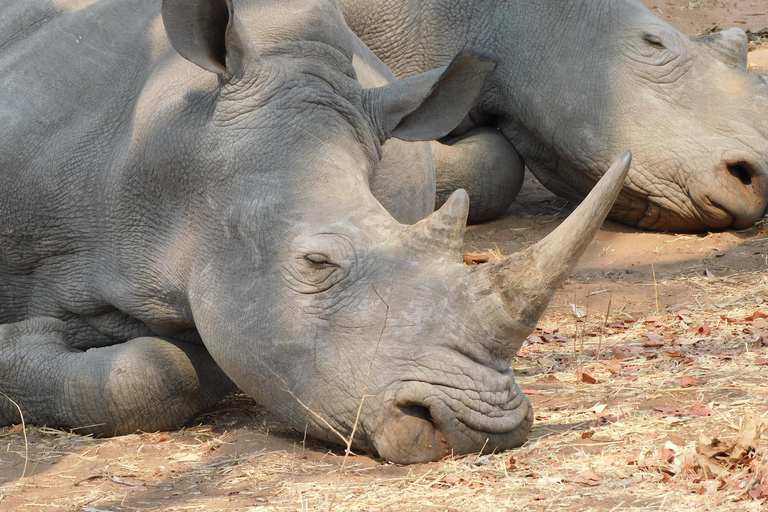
x=444, y=228
x=522, y=284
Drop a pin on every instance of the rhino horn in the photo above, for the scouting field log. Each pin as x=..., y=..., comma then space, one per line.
x=518, y=288
x=443, y=229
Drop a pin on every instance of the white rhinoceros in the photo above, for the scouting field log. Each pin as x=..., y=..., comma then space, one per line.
x=577, y=81
x=181, y=210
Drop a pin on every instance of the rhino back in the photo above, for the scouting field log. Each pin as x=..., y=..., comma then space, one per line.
x=84, y=86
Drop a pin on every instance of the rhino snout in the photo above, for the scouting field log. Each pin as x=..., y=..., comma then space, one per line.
x=740, y=195
x=429, y=421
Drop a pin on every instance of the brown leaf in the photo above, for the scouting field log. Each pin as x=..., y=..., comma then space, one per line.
x=654, y=340
x=511, y=463
x=585, y=377
x=699, y=409
x=475, y=258
x=760, y=323
x=704, y=329
x=587, y=434
x=452, y=479
x=587, y=478
x=16, y=429
x=655, y=318
x=672, y=354
x=532, y=392
x=758, y=314
x=761, y=360
x=619, y=354
x=687, y=381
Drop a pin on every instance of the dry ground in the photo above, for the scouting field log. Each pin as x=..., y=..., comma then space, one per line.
x=656, y=340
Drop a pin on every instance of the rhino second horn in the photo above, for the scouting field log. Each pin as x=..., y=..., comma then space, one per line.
x=444, y=228
x=522, y=284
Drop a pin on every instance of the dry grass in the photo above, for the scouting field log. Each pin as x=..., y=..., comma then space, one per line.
x=625, y=442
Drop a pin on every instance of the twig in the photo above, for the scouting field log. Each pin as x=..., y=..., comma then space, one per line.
x=655, y=287
x=348, y=449
x=230, y=461
x=24, y=432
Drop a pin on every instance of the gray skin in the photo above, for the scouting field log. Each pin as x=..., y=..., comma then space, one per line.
x=579, y=80
x=170, y=228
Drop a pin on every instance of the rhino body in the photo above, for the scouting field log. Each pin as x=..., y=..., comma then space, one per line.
x=576, y=81
x=182, y=211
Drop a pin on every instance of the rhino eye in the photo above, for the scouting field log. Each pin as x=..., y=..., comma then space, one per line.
x=319, y=261
x=654, y=42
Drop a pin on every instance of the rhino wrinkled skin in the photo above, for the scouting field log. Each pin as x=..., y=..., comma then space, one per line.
x=182, y=211
x=577, y=82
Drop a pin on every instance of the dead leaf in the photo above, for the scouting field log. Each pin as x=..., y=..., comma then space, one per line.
x=687, y=381
x=709, y=274
x=758, y=314
x=672, y=354
x=699, y=409
x=760, y=323
x=185, y=457
x=704, y=330
x=651, y=319
x=585, y=377
x=587, y=478
x=654, y=340
x=619, y=354
x=587, y=434
x=16, y=429
x=532, y=392
x=475, y=258
x=511, y=463
x=452, y=479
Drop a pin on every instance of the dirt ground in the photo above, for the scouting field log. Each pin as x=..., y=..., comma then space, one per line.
x=656, y=339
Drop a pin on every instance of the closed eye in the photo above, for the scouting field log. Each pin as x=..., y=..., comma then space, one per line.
x=654, y=42
x=318, y=260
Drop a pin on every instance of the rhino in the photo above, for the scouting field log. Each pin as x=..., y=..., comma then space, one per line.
x=183, y=211
x=576, y=81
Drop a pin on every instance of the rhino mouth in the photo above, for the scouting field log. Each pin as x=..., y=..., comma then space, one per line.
x=431, y=420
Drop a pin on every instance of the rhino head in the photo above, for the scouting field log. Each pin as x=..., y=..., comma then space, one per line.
x=314, y=300
x=696, y=121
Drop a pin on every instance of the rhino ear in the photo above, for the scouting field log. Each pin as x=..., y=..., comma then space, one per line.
x=732, y=46
x=429, y=105
x=209, y=34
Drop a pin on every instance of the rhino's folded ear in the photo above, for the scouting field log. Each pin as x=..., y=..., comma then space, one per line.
x=209, y=34
x=429, y=105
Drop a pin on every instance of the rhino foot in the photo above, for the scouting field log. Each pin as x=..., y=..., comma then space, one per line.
x=144, y=384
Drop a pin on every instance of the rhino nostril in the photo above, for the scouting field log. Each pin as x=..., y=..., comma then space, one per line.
x=420, y=412
x=742, y=172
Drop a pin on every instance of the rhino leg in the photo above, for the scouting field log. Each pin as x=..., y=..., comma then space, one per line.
x=484, y=163
x=144, y=384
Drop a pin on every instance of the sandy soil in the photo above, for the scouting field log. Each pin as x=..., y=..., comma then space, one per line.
x=678, y=306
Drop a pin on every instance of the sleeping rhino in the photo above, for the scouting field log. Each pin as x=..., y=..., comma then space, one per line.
x=577, y=81
x=181, y=213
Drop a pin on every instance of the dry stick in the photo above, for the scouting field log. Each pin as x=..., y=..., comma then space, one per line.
x=23, y=431
x=655, y=287
x=348, y=449
x=605, y=324
x=370, y=366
